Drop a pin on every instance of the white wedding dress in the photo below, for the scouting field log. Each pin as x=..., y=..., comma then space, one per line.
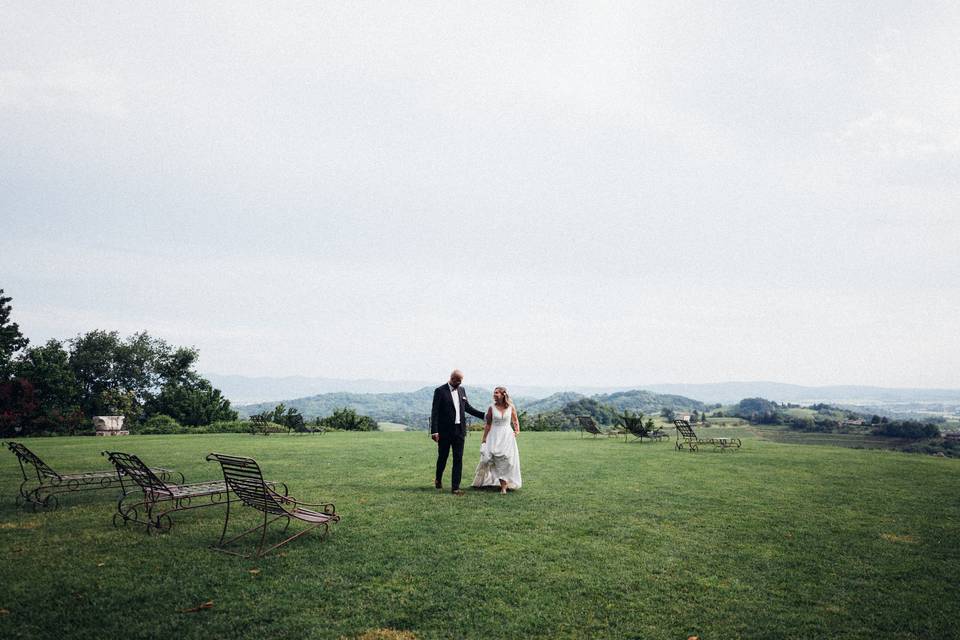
x=499, y=456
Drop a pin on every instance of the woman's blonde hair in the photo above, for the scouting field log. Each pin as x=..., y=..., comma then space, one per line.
x=506, y=396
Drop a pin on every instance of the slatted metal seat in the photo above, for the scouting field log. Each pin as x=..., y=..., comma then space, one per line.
x=686, y=438
x=245, y=481
x=633, y=426
x=640, y=433
x=41, y=484
x=589, y=425
x=156, y=498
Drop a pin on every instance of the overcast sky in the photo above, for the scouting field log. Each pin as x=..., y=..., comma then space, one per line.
x=537, y=193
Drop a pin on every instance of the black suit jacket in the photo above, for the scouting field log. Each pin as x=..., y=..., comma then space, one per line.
x=443, y=413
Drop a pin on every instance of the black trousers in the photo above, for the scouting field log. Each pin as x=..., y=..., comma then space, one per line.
x=443, y=452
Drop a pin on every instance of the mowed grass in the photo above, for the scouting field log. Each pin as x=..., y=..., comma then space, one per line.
x=853, y=440
x=606, y=539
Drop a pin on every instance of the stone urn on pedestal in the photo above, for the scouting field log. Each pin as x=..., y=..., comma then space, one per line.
x=109, y=425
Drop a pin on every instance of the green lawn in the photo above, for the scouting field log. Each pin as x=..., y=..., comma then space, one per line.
x=605, y=540
x=855, y=440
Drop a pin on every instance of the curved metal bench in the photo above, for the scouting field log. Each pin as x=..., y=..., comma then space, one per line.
x=589, y=425
x=245, y=481
x=41, y=486
x=156, y=499
x=687, y=438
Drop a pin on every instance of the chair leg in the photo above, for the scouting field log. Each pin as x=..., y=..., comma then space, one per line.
x=226, y=519
x=326, y=529
x=263, y=536
x=262, y=527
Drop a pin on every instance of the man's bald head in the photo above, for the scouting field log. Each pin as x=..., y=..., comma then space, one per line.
x=456, y=377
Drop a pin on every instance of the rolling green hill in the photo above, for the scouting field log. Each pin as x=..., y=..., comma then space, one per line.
x=648, y=402
x=413, y=408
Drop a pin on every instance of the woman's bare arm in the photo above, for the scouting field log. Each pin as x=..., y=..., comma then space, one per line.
x=488, y=422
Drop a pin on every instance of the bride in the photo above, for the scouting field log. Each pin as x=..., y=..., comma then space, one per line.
x=499, y=457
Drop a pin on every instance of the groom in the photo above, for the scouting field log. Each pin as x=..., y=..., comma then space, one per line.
x=448, y=427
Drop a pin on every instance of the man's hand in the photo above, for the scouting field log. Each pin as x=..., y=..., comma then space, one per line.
x=435, y=436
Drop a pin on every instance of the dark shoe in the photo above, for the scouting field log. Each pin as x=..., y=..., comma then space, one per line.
x=457, y=492
x=438, y=484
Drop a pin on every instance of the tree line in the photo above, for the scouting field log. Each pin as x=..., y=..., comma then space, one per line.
x=58, y=386
x=829, y=419
x=289, y=418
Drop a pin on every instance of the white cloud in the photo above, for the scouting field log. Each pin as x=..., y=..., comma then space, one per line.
x=637, y=187
x=900, y=137
x=80, y=86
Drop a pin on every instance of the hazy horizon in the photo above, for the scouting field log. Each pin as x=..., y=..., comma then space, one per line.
x=625, y=385
x=242, y=390
x=547, y=195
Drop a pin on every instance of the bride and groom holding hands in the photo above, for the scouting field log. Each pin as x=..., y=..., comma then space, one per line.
x=499, y=464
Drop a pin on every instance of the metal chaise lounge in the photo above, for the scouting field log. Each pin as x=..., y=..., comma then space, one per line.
x=687, y=438
x=245, y=481
x=639, y=432
x=633, y=426
x=42, y=490
x=156, y=499
x=589, y=425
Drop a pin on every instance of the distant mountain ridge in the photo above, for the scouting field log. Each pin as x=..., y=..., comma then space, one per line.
x=242, y=390
x=248, y=390
x=730, y=392
x=633, y=400
x=413, y=408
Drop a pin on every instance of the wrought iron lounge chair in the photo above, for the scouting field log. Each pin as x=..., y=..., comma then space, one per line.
x=589, y=425
x=245, y=481
x=156, y=499
x=639, y=432
x=42, y=490
x=633, y=426
x=687, y=438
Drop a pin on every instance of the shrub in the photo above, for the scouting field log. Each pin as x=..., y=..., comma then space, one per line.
x=758, y=410
x=907, y=429
x=347, y=419
x=224, y=426
x=160, y=424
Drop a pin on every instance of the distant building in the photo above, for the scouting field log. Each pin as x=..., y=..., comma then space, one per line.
x=953, y=436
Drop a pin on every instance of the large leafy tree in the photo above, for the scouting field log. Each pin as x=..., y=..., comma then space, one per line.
x=100, y=373
x=125, y=375
x=92, y=359
x=47, y=368
x=192, y=402
x=11, y=340
x=18, y=407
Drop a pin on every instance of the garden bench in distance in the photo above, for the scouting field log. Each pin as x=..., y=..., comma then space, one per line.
x=49, y=483
x=687, y=438
x=245, y=480
x=589, y=425
x=157, y=497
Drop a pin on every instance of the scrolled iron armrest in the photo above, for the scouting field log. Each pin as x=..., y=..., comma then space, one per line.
x=317, y=504
x=283, y=498
x=272, y=486
x=328, y=507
